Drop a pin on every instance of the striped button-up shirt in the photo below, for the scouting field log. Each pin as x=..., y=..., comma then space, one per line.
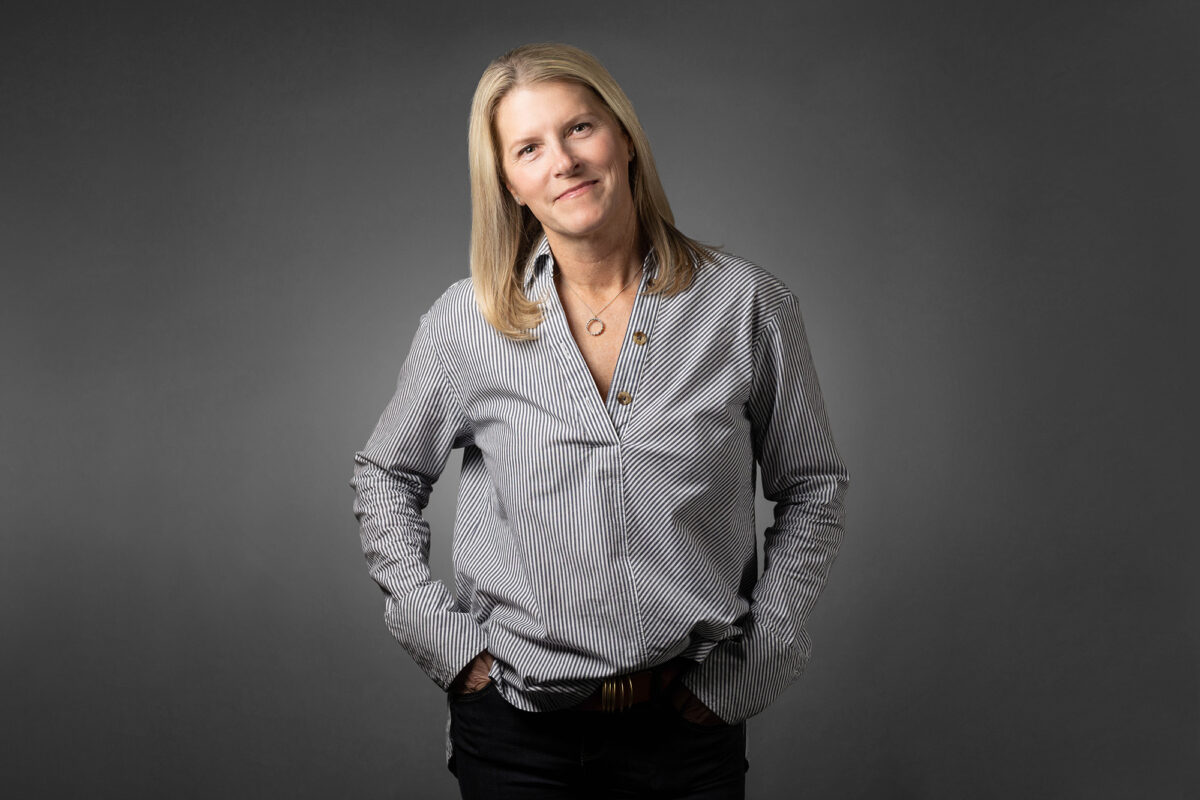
x=596, y=537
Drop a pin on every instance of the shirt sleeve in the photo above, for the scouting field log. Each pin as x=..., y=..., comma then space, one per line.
x=804, y=476
x=393, y=476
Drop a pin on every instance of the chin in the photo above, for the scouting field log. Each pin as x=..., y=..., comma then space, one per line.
x=580, y=227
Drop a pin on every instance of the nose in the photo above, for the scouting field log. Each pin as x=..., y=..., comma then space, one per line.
x=565, y=161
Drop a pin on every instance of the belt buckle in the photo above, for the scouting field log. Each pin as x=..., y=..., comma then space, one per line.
x=616, y=693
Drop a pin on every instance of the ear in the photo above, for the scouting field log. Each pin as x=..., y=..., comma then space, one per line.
x=518, y=200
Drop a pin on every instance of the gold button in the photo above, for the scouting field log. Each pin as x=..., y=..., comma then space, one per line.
x=624, y=398
x=639, y=337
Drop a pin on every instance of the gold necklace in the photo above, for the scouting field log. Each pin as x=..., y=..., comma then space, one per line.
x=596, y=314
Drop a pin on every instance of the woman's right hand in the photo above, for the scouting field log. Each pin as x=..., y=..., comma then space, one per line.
x=474, y=676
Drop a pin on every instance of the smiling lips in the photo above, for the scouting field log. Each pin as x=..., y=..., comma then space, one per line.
x=574, y=190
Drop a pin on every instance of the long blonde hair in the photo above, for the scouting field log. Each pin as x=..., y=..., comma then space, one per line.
x=503, y=232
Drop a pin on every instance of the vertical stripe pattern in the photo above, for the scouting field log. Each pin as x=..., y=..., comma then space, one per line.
x=594, y=537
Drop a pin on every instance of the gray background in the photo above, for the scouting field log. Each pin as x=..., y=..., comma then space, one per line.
x=220, y=225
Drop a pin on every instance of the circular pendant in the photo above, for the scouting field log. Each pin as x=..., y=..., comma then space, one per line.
x=597, y=321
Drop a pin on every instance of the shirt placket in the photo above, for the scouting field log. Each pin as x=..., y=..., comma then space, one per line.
x=602, y=419
x=624, y=392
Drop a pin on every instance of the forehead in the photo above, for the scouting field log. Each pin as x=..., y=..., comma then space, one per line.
x=528, y=107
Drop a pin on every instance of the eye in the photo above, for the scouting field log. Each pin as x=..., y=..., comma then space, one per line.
x=526, y=150
x=580, y=127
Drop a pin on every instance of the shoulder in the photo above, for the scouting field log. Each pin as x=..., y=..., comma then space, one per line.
x=458, y=300
x=453, y=310
x=455, y=323
x=742, y=285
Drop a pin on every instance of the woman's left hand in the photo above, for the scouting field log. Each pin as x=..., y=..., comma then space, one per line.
x=691, y=708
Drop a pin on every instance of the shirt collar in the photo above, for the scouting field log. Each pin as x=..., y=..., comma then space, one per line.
x=536, y=264
x=540, y=266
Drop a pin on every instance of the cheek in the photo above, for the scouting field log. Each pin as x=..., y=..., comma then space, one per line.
x=521, y=184
x=618, y=158
x=620, y=167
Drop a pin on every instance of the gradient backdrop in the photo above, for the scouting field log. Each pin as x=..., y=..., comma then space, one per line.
x=220, y=225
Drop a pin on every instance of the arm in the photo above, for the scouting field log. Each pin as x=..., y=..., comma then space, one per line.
x=805, y=478
x=393, y=476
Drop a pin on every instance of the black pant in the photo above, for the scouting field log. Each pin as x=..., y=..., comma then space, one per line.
x=649, y=751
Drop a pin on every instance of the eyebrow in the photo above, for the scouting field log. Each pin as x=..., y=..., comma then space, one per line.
x=571, y=121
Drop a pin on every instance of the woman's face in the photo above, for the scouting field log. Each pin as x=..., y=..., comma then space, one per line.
x=564, y=155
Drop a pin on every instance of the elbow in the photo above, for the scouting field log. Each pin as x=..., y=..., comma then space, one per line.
x=361, y=465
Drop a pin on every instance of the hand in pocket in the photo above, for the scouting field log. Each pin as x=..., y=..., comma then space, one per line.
x=474, y=676
x=692, y=708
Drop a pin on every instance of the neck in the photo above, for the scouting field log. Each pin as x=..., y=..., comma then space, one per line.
x=600, y=264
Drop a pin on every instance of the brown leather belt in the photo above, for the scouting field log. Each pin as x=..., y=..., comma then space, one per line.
x=621, y=692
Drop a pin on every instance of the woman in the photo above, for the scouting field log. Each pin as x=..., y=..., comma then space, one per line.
x=612, y=384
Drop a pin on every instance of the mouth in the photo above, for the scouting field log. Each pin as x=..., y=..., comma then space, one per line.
x=575, y=190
